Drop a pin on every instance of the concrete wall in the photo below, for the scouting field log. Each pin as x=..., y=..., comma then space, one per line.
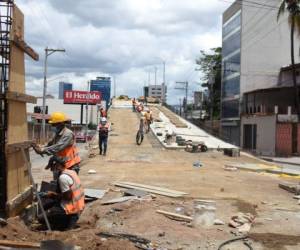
x=266, y=133
x=265, y=47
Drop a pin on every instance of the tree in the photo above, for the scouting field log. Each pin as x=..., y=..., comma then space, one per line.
x=293, y=7
x=210, y=66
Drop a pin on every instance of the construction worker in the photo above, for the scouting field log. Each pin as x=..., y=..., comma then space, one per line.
x=133, y=104
x=103, y=128
x=63, y=143
x=141, y=130
x=148, y=119
x=103, y=112
x=140, y=108
x=64, y=206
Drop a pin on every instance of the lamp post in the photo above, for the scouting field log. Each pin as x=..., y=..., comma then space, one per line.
x=48, y=52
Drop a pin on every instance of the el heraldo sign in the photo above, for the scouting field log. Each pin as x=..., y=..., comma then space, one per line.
x=82, y=97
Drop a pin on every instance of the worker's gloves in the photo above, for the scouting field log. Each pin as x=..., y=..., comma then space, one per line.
x=39, y=149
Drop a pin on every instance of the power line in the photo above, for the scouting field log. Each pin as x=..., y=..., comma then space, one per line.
x=257, y=5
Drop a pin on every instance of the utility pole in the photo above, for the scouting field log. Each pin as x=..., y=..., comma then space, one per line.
x=211, y=83
x=186, y=88
x=87, y=109
x=164, y=83
x=180, y=106
x=149, y=78
x=115, y=87
x=48, y=52
x=155, y=80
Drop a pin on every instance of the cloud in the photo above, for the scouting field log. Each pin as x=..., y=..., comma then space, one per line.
x=125, y=38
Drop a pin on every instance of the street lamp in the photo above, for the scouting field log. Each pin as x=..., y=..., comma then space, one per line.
x=48, y=52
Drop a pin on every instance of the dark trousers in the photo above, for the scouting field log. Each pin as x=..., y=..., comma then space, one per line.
x=103, y=144
x=57, y=217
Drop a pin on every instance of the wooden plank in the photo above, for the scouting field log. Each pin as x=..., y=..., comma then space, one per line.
x=17, y=204
x=20, y=97
x=290, y=187
x=17, y=28
x=174, y=215
x=25, y=48
x=17, y=123
x=17, y=180
x=15, y=147
x=17, y=175
x=17, y=70
x=19, y=244
x=118, y=200
x=148, y=190
x=153, y=187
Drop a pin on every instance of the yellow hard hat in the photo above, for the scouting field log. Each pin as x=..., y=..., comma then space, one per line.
x=57, y=117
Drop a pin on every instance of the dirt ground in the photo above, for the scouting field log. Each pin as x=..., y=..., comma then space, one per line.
x=277, y=222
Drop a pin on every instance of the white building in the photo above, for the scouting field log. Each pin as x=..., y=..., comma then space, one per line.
x=256, y=79
x=73, y=111
x=157, y=91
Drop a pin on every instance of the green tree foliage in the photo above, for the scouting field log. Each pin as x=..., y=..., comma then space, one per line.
x=92, y=126
x=210, y=66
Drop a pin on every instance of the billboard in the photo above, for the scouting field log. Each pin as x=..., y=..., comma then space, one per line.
x=82, y=97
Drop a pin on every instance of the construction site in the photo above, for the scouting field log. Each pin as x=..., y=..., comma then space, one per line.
x=163, y=194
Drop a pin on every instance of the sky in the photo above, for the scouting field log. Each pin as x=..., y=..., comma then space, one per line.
x=125, y=39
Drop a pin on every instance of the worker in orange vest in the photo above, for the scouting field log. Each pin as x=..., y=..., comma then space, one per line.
x=64, y=206
x=63, y=144
x=149, y=119
x=103, y=112
x=103, y=128
x=133, y=104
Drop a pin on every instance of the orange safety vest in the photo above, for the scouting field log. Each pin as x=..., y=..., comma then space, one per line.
x=76, y=204
x=103, y=130
x=70, y=155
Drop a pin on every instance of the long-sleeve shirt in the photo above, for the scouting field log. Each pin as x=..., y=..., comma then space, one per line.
x=60, y=141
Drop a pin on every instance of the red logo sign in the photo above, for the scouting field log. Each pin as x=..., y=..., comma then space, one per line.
x=81, y=97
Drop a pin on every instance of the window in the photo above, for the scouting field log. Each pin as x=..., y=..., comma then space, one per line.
x=232, y=65
x=233, y=24
x=230, y=109
x=231, y=87
x=232, y=44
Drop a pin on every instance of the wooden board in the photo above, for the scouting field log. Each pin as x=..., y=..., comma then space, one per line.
x=17, y=181
x=17, y=71
x=119, y=200
x=17, y=122
x=148, y=190
x=20, y=97
x=153, y=187
x=18, y=23
x=19, y=244
x=174, y=215
x=25, y=48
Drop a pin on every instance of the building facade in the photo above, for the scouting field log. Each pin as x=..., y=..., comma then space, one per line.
x=103, y=85
x=231, y=76
x=258, y=108
x=157, y=91
x=63, y=86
